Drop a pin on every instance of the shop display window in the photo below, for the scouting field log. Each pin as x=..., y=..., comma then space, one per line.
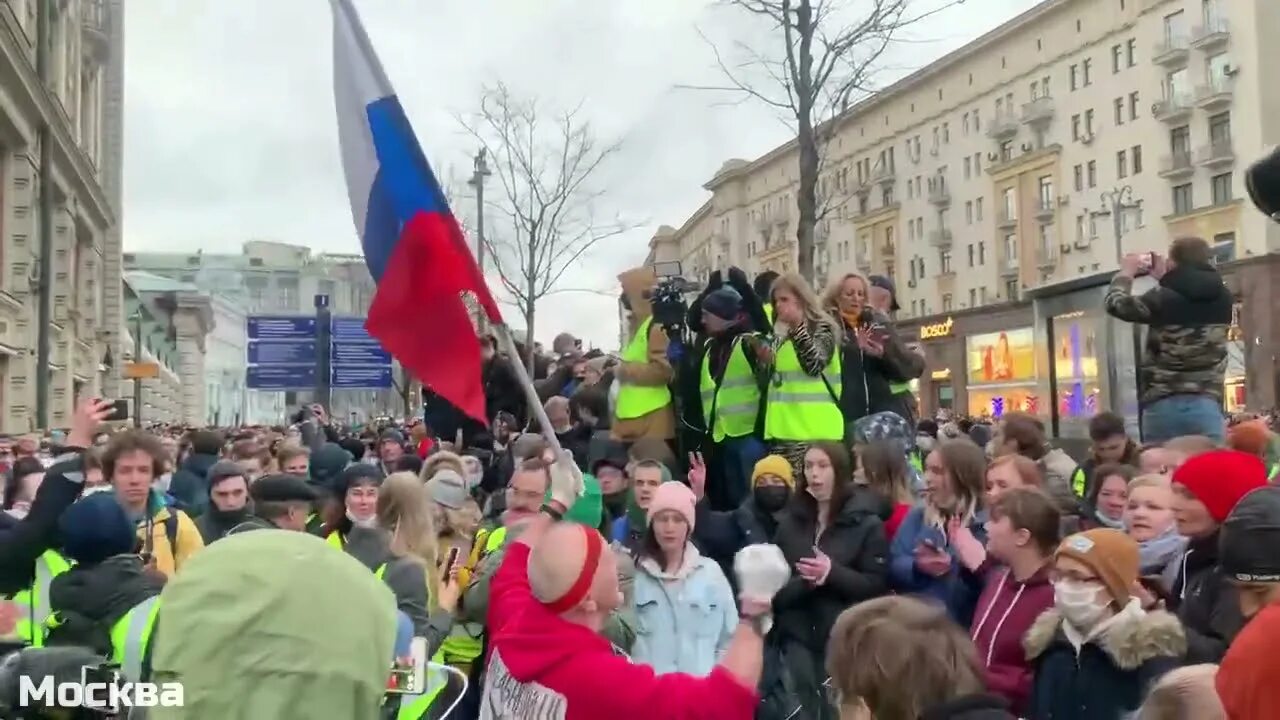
x=1075, y=366
x=1001, y=373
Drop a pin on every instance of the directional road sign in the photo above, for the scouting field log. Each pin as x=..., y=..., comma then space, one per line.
x=281, y=327
x=357, y=360
x=281, y=377
x=362, y=376
x=281, y=353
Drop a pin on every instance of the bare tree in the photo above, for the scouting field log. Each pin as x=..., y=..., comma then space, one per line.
x=403, y=385
x=543, y=213
x=825, y=58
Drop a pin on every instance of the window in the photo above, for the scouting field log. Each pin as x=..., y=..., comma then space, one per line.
x=977, y=121
x=973, y=297
x=964, y=123
x=1075, y=127
x=977, y=163
x=1216, y=70
x=1122, y=164
x=1177, y=87
x=946, y=302
x=970, y=254
x=1133, y=105
x=1046, y=192
x=968, y=212
x=1080, y=229
x=946, y=133
x=1117, y=52
x=1220, y=129
x=1221, y=188
x=911, y=274
x=1119, y=110
x=1175, y=28
x=967, y=167
x=1009, y=205
x=1136, y=159
x=1224, y=247
x=1011, y=289
x=1091, y=172
x=944, y=261
x=1180, y=141
x=1088, y=122
x=1085, y=68
x=1006, y=151
x=977, y=210
x=1044, y=86
x=1131, y=52
x=1035, y=89
x=1011, y=248
x=1182, y=199
x=1073, y=75
x=1079, y=178
x=1046, y=242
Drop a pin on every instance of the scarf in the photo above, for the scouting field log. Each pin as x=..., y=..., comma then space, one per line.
x=853, y=320
x=1158, y=553
x=1108, y=522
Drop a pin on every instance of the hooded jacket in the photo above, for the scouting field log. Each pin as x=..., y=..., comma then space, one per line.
x=865, y=379
x=1206, y=603
x=190, y=484
x=1189, y=315
x=958, y=589
x=539, y=660
x=169, y=559
x=1006, y=609
x=89, y=599
x=1059, y=469
x=23, y=541
x=1110, y=675
x=657, y=371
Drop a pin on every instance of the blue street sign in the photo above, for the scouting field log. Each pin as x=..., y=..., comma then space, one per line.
x=282, y=352
x=350, y=329
x=367, y=377
x=281, y=327
x=348, y=353
x=280, y=377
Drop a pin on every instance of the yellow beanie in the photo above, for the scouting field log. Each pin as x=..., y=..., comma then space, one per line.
x=773, y=465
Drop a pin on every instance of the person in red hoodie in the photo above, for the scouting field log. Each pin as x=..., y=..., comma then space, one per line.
x=1022, y=534
x=547, y=660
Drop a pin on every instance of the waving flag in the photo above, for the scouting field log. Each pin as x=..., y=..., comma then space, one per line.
x=412, y=243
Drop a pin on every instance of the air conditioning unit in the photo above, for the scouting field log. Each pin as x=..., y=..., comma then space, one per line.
x=1230, y=69
x=1064, y=248
x=911, y=283
x=1087, y=139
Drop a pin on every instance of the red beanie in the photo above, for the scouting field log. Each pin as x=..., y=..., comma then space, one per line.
x=1219, y=479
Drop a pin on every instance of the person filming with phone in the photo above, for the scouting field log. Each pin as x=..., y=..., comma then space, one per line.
x=1188, y=315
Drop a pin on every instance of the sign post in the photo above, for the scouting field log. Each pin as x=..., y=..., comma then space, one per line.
x=324, y=337
x=282, y=352
x=358, y=361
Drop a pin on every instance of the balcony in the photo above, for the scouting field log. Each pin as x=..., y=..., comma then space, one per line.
x=1213, y=34
x=939, y=194
x=1046, y=210
x=1172, y=51
x=1173, y=109
x=863, y=262
x=1038, y=111
x=1216, y=154
x=1216, y=94
x=1002, y=127
x=881, y=174
x=1176, y=166
x=1009, y=268
x=95, y=28
x=940, y=238
x=1006, y=220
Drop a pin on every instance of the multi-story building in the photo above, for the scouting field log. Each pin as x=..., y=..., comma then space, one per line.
x=78, y=109
x=164, y=323
x=273, y=278
x=1008, y=170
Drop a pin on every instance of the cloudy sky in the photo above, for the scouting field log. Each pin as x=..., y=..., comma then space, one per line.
x=230, y=130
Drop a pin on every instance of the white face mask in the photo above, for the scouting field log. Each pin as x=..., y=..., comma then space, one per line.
x=1078, y=603
x=369, y=522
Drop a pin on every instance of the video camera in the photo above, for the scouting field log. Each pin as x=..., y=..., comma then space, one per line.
x=667, y=301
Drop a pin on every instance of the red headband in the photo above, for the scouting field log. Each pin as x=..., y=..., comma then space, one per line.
x=581, y=586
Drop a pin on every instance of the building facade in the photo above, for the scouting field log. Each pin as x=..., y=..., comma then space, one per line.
x=270, y=278
x=176, y=319
x=79, y=111
x=995, y=178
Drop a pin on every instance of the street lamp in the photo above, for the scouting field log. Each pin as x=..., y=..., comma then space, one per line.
x=1115, y=202
x=478, y=175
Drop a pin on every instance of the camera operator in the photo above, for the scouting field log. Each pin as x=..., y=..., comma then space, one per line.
x=1188, y=315
x=728, y=320
x=645, y=408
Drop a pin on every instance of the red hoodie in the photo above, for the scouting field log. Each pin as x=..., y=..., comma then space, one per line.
x=1006, y=609
x=546, y=668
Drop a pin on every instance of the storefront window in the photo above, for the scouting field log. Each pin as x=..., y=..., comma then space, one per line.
x=1233, y=397
x=1002, y=373
x=1075, y=366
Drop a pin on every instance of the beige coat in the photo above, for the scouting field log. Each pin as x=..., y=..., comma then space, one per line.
x=661, y=424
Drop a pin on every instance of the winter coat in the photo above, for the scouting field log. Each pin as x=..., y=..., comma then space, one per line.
x=804, y=614
x=684, y=620
x=958, y=590
x=89, y=599
x=407, y=579
x=865, y=379
x=1111, y=674
x=502, y=393
x=1206, y=602
x=656, y=371
x=190, y=484
x=1006, y=609
x=169, y=557
x=213, y=524
x=22, y=542
x=720, y=534
x=1189, y=315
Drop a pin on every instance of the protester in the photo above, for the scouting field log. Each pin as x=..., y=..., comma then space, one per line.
x=885, y=472
x=20, y=486
x=646, y=477
x=1188, y=317
x=354, y=504
x=644, y=407
x=1149, y=520
x=168, y=536
x=294, y=460
x=1009, y=472
x=228, y=501
x=721, y=534
x=425, y=590
x=1186, y=693
x=280, y=502
x=1023, y=434
x=1109, y=443
x=1108, y=496
x=190, y=482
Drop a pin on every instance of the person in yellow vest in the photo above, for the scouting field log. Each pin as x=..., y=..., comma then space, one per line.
x=105, y=580
x=803, y=396
x=644, y=405
x=167, y=536
x=731, y=382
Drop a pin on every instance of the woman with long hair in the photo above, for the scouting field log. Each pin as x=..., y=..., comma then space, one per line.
x=684, y=603
x=832, y=535
x=803, y=393
x=923, y=556
x=412, y=567
x=885, y=473
x=872, y=357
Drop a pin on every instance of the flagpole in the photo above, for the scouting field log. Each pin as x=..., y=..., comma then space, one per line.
x=507, y=345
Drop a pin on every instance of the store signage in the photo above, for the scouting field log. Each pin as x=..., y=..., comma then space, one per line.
x=940, y=330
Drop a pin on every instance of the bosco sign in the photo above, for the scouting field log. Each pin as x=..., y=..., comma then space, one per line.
x=939, y=330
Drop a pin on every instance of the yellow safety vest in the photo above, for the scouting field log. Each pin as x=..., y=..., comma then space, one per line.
x=414, y=706
x=900, y=388
x=336, y=540
x=768, y=311
x=735, y=403
x=639, y=400
x=33, y=602
x=131, y=635
x=1078, y=482
x=801, y=407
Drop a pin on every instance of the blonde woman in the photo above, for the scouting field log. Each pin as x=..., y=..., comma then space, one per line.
x=875, y=364
x=424, y=591
x=804, y=388
x=456, y=517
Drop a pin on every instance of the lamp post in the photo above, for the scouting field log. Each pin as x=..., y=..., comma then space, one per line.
x=137, y=358
x=478, y=175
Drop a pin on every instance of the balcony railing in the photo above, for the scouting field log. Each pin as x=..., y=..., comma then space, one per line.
x=1046, y=209
x=1212, y=33
x=1038, y=111
x=939, y=193
x=1172, y=50
x=1173, y=108
x=1176, y=164
x=1216, y=153
x=1009, y=267
x=881, y=174
x=1215, y=93
x=1002, y=126
x=1006, y=219
x=940, y=237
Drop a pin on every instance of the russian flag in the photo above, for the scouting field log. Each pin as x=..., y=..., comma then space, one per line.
x=412, y=243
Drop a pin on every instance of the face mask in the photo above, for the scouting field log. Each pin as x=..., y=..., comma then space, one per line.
x=772, y=498
x=369, y=522
x=1078, y=604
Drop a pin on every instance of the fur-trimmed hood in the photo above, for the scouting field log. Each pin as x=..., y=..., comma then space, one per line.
x=1129, y=643
x=439, y=460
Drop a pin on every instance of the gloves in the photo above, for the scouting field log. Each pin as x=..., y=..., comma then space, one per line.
x=566, y=481
x=762, y=570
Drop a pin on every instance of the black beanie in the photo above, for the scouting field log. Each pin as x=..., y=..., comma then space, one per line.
x=1249, y=543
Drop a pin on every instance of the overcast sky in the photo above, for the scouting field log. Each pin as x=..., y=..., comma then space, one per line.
x=230, y=129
